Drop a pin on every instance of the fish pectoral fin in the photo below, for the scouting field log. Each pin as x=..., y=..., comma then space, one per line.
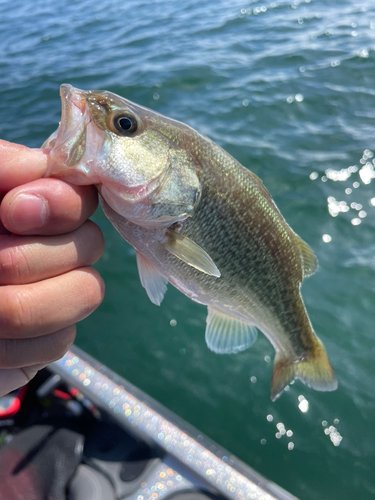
x=152, y=281
x=314, y=370
x=228, y=335
x=309, y=260
x=189, y=252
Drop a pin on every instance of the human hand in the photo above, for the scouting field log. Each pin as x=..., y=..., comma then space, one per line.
x=46, y=246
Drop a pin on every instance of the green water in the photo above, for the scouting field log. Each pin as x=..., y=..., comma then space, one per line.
x=288, y=89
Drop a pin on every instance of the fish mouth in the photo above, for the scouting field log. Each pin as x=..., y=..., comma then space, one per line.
x=77, y=140
x=74, y=120
x=73, y=103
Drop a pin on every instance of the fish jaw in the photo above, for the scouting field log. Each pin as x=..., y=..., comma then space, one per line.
x=78, y=145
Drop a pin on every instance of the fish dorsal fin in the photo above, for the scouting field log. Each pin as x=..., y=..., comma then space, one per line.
x=192, y=254
x=309, y=260
x=227, y=335
x=152, y=281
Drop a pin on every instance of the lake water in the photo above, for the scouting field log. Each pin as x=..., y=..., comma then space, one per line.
x=288, y=88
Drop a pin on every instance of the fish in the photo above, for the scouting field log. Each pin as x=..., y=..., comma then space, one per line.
x=198, y=220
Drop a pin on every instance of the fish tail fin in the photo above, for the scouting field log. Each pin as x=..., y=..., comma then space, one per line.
x=314, y=370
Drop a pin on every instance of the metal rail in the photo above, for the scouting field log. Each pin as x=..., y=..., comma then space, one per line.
x=191, y=454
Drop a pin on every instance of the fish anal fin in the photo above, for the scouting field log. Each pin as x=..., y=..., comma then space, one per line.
x=152, y=281
x=309, y=260
x=228, y=335
x=189, y=252
x=314, y=370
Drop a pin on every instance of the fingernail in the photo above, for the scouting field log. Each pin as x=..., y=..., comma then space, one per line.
x=27, y=213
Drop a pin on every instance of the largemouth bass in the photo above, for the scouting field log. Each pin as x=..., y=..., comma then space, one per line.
x=198, y=220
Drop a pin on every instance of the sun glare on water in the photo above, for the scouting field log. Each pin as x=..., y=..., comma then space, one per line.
x=355, y=202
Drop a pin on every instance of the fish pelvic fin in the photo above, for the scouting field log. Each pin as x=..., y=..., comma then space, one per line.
x=152, y=281
x=314, y=370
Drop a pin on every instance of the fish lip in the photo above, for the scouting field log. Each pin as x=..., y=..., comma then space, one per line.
x=71, y=131
x=73, y=125
x=73, y=110
x=68, y=93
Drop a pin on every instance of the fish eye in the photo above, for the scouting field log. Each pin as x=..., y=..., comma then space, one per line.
x=125, y=124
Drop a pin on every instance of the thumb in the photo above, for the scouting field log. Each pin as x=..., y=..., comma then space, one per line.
x=13, y=378
x=19, y=165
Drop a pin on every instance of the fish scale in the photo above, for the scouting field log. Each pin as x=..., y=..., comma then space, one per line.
x=199, y=220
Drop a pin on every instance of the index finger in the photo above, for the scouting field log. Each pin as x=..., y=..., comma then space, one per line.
x=20, y=164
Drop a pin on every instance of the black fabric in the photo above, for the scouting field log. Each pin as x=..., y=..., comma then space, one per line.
x=135, y=463
x=39, y=462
